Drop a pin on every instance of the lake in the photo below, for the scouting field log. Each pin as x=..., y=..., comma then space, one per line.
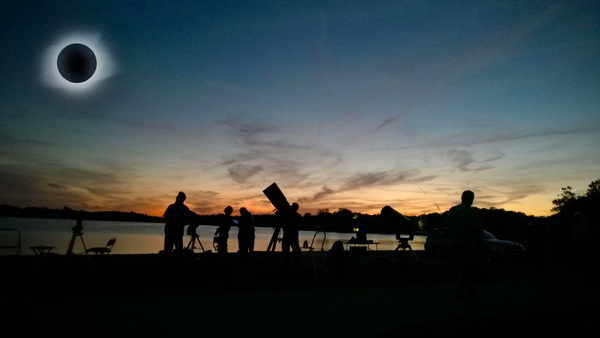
x=145, y=238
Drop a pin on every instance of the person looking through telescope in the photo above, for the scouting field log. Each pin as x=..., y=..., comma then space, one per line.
x=177, y=216
x=222, y=233
x=290, y=231
x=246, y=232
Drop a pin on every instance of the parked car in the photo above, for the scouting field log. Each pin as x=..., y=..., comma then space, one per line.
x=439, y=246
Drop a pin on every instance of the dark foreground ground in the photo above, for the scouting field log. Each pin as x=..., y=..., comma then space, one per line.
x=374, y=294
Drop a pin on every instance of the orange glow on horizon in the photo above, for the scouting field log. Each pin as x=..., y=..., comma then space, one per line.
x=370, y=202
x=259, y=208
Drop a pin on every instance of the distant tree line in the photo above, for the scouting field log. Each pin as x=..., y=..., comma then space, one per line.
x=503, y=224
x=68, y=213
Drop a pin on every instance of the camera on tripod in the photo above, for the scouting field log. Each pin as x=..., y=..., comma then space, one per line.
x=191, y=229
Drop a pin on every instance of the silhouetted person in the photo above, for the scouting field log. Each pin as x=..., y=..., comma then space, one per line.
x=177, y=216
x=466, y=231
x=536, y=243
x=291, y=229
x=337, y=260
x=246, y=232
x=581, y=242
x=222, y=233
x=361, y=235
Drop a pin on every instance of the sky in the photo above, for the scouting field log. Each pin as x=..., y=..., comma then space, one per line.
x=343, y=104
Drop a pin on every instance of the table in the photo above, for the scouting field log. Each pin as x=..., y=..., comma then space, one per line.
x=367, y=244
x=41, y=250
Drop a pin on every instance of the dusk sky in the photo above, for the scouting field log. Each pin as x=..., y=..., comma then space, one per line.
x=344, y=104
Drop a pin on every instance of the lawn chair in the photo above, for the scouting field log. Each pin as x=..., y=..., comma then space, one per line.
x=103, y=250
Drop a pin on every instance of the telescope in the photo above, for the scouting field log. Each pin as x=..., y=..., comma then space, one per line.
x=277, y=198
x=285, y=211
x=402, y=224
x=191, y=229
x=78, y=227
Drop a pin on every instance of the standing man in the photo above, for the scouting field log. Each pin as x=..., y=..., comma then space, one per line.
x=246, y=232
x=290, y=231
x=177, y=216
x=466, y=231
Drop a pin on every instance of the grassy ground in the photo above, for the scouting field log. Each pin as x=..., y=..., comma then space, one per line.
x=375, y=295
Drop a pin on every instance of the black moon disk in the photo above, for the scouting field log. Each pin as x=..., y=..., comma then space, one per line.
x=76, y=63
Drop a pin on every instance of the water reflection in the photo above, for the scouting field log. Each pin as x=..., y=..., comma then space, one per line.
x=147, y=238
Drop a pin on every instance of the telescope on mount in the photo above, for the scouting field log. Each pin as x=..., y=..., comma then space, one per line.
x=285, y=212
x=401, y=223
x=403, y=226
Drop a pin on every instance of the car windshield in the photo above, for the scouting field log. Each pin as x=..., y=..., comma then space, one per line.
x=487, y=235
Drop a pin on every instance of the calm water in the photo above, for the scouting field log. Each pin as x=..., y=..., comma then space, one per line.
x=144, y=238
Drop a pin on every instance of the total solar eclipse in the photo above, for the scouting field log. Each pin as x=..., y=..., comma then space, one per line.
x=76, y=63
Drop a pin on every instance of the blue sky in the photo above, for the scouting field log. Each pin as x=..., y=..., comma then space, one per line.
x=353, y=104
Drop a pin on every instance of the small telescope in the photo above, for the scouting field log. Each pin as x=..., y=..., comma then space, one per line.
x=191, y=229
x=78, y=227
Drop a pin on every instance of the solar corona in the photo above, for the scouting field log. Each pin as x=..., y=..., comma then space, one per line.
x=77, y=63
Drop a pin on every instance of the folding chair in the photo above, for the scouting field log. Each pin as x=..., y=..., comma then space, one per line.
x=103, y=250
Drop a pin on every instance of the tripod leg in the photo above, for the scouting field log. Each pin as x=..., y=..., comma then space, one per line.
x=414, y=254
x=82, y=242
x=71, y=244
x=200, y=243
x=273, y=241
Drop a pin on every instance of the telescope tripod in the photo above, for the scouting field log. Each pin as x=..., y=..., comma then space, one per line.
x=72, y=242
x=275, y=238
x=403, y=244
x=192, y=244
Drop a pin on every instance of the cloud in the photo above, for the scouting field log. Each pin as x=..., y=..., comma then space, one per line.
x=498, y=46
x=461, y=159
x=204, y=201
x=465, y=161
x=241, y=173
x=507, y=194
x=385, y=123
x=368, y=180
x=274, y=153
x=373, y=179
x=383, y=178
x=102, y=185
x=325, y=191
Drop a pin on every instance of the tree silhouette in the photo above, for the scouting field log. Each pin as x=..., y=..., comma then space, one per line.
x=569, y=202
x=566, y=198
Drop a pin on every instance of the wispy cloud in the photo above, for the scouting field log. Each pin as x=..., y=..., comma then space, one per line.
x=271, y=151
x=241, y=173
x=499, y=45
x=507, y=194
x=325, y=191
x=462, y=160
x=385, y=123
x=369, y=180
